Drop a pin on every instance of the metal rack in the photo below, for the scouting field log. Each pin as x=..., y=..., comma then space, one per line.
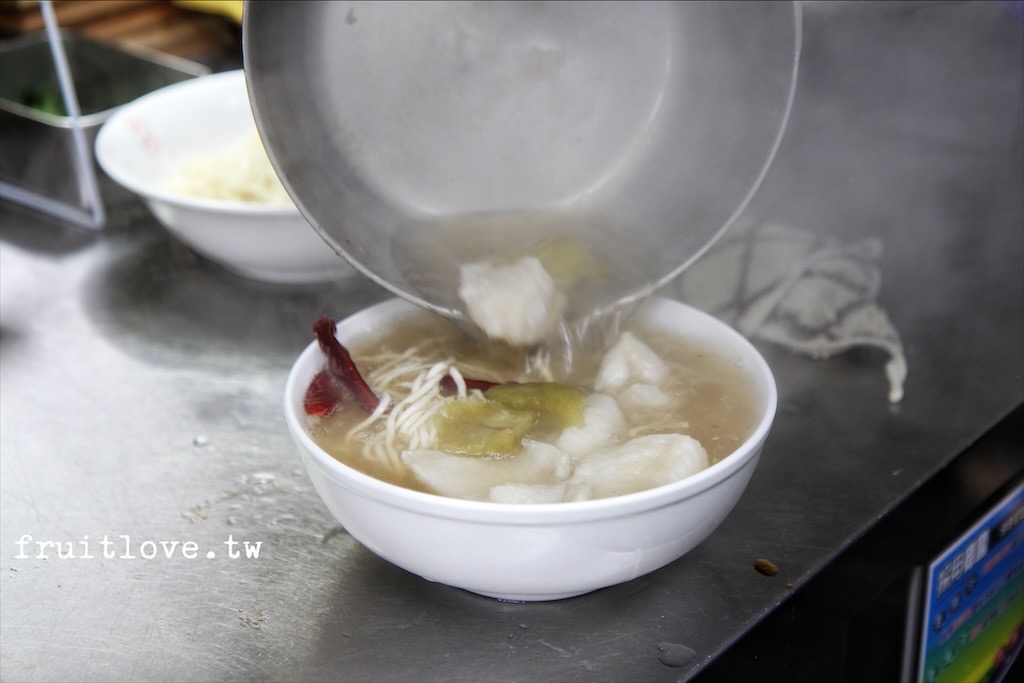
x=88, y=212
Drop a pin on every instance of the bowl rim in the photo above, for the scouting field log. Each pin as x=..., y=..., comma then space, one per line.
x=116, y=123
x=512, y=514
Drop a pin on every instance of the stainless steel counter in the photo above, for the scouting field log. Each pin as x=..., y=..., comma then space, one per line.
x=141, y=390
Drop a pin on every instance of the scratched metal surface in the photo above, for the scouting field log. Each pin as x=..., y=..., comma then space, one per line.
x=140, y=396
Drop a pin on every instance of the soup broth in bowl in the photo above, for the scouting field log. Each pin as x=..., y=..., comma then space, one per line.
x=478, y=468
x=648, y=383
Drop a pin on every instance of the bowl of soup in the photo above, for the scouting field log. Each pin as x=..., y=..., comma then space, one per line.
x=488, y=468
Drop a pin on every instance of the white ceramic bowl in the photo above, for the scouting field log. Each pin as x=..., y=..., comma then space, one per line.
x=141, y=147
x=543, y=551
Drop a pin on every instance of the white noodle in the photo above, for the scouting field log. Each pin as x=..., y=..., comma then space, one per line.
x=382, y=407
x=394, y=367
x=241, y=173
x=408, y=422
x=460, y=381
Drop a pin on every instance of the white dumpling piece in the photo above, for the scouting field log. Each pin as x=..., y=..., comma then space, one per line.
x=630, y=361
x=638, y=464
x=518, y=302
x=637, y=398
x=603, y=423
x=468, y=477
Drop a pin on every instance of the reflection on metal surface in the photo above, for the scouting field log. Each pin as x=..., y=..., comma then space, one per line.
x=813, y=295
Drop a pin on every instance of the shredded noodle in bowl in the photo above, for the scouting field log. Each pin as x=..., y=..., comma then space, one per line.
x=242, y=173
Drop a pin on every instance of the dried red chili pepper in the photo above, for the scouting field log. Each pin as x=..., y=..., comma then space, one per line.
x=323, y=395
x=341, y=365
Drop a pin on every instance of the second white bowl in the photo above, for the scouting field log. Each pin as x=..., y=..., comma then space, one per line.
x=141, y=148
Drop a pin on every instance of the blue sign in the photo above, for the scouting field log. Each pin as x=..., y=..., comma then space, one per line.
x=973, y=619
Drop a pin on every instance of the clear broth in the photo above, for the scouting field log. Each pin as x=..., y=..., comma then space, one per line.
x=714, y=400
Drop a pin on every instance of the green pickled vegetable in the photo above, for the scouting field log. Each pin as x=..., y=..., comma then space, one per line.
x=555, y=405
x=481, y=427
x=567, y=261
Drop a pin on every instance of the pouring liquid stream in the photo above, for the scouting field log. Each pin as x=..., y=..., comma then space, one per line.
x=472, y=268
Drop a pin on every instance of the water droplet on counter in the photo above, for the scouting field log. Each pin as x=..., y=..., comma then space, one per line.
x=675, y=654
x=261, y=483
x=282, y=518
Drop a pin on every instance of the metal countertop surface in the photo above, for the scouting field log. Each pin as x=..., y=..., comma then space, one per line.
x=141, y=397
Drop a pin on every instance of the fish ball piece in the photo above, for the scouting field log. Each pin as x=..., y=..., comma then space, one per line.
x=518, y=302
x=603, y=423
x=630, y=361
x=473, y=478
x=638, y=464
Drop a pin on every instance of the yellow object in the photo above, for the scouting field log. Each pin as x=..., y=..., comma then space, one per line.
x=481, y=427
x=557, y=404
x=231, y=9
x=567, y=261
